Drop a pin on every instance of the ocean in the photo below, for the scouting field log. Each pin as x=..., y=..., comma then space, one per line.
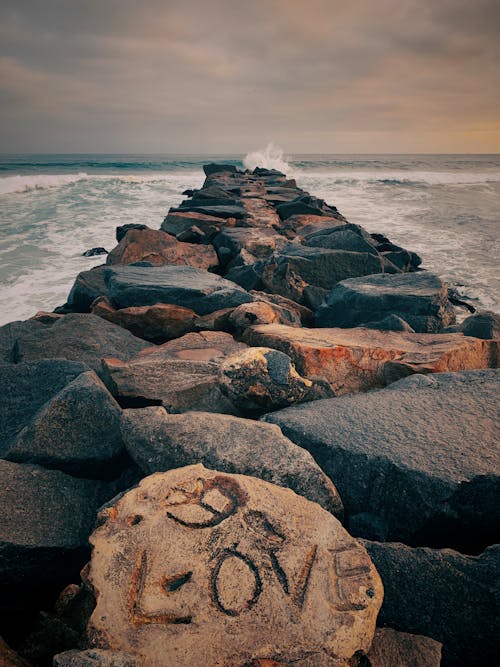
x=54, y=207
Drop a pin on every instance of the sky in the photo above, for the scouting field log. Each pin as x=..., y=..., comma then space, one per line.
x=228, y=76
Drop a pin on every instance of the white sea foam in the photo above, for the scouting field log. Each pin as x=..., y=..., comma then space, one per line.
x=270, y=157
x=402, y=177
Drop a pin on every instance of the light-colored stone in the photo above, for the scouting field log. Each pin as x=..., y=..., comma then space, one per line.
x=196, y=567
x=400, y=649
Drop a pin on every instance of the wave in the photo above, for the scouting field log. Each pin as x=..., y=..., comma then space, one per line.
x=270, y=157
x=405, y=178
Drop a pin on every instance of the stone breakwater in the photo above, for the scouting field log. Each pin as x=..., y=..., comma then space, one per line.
x=254, y=437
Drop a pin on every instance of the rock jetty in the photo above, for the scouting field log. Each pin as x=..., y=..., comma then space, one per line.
x=255, y=437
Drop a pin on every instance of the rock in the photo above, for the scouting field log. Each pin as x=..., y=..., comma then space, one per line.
x=185, y=286
x=45, y=519
x=217, y=210
x=11, y=331
x=260, y=379
x=160, y=248
x=400, y=649
x=48, y=636
x=484, y=324
x=341, y=240
x=87, y=287
x=9, y=658
x=26, y=388
x=260, y=312
x=297, y=207
x=421, y=299
x=181, y=222
x=290, y=308
x=77, y=431
x=420, y=456
x=121, y=230
x=93, y=252
x=216, y=321
x=258, y=213
x=249, y=277
x=204, y=554
x=260, y=242
x=214, y=168
x=46, y=318
x=444, y=595
x=180, y=375
x=95, y=658
x=157, y=324
x=352, y=360
x=158, y=442
x=78, y=337
x=390, y=323
x=212, y=192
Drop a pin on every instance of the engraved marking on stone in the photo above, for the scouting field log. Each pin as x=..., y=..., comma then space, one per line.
x=218, y=498
x=137, y=614
x=171, y=584
x=351, y=573
x=244, y=604
x=134, y=519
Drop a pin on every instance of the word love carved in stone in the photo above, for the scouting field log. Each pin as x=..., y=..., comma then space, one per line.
x=199, y=567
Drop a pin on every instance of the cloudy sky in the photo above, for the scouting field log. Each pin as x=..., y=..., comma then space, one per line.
x=227, y=76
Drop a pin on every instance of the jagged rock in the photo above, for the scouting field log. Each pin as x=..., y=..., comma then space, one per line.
x=341, y=240
x=204, y=554
x=78, y=337
x=185, y=286
x=390, y=323
x=121, y=230
x=247, y=276
x=421, y=457
x=182, y=221
x=9, y=658
x=260, y=242
x=181, y=375
x=45, y=519
x=484, y=324
x=160, y=248
x=297, y=207
x=216, y=321
x=87, y=287
x=157, y=324
x=11, y=331
x=95, y=658
x=292, y=309
x=158, y=442
x=93, y=252
x=258, y=213
x=76, y=431
x=217, y=210
x=352, y=360
x=421, y=299
x=400, y=649
x=444, y=595
x=44, y=317
x=261, y=312
x=260, y=379
x=214, y=168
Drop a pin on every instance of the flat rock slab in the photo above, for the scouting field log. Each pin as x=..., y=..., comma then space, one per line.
x=419, y=460
x=352, y=360
x=444, y=595
x=181, y=222
x=421, y=299
x=158, y=442
x=192, y=288
x=194, y=554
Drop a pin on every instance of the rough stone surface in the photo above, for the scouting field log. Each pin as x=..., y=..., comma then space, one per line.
x=121, y=230
x=158, y=442
x=181, y=222
x=9, y=658
x=260, y=379
x=420, y=457
x=193, y=554
x=484, y=324
x=401, y=649
x=421, y=299
x=96, y=658
x=159, y=248
x=87, y=287
x=261, y=312
x=352, y=360
x=10, y=332
x=444, y=595
x=185, y=286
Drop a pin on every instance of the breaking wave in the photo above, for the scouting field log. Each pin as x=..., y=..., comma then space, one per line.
x=270, y=157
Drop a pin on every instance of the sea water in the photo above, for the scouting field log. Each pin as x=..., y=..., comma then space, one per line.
x=54, y=207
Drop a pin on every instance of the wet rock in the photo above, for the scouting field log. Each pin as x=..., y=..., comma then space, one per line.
x=160, y=248
x=157, y=324
x=352, y=360
x=444, y=595
x=77, y=431
x=484, y=324
x=185, y=286
x=420, y=456
x=94, y=252
x=341, y=240
x=181, y=222
x=400, y=649
x=121, y=230
x=260, y=379
x=158, y=442
x=95, y=658
x=87, y=287
x=421, y=299
x=214, y=168
x=206, y=554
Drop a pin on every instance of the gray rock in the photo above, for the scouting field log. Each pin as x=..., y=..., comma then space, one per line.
x=420, y=456
x=121, y=230
x=87, y=287
x=77, y=431
x=444, y=595
x=199, y=290
x=484, y=324
x=214, y=168
x=421, y=299
x=219, y=210
x=11, y=331
x=341, y=240
x=95, y=658
x=390, y=323
x=158, y=442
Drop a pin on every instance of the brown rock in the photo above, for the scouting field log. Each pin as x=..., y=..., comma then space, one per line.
x=260, y=312
x=259, y=213
x=357, y=359
x=96, y=658
x=216, y=321
x=150, y=245
x=400, y=649
x=157, y=324
x=201, y=346
x=178, y=222
x=196, y=567
x=9, y=658
x=46, y=318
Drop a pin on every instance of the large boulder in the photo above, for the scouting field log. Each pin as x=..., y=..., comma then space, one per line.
x=421, y=299
x=484, y=324
x=417, y=461
x=445, y=595
x=157, y=442
x=87, y=287
x=186, y=286
x=181, y=222
x=204, y=554
x=158, y=248
x=352, y=360
x=10, y=332
x=215, y=168
x=391, y=648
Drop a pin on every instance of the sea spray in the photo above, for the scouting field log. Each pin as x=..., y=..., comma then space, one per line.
x=270, y=157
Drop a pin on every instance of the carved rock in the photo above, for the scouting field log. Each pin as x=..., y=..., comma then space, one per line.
x=194, y=554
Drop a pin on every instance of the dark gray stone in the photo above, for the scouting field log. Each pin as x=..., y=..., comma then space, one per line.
x=444, y=595
x=219, y=210
x=121, y=230
x=214, y=168
x=390, y=323
x=86, y=288
x=297, y=207
x=96, y=658
x=420, y=456
x=341, y=240
x=199, y=290
x=484, y=324
x=158, y=441
x=421, y=299
x=11, y=331
x=93, y=252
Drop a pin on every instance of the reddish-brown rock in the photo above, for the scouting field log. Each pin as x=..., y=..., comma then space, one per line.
x=9, y=658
